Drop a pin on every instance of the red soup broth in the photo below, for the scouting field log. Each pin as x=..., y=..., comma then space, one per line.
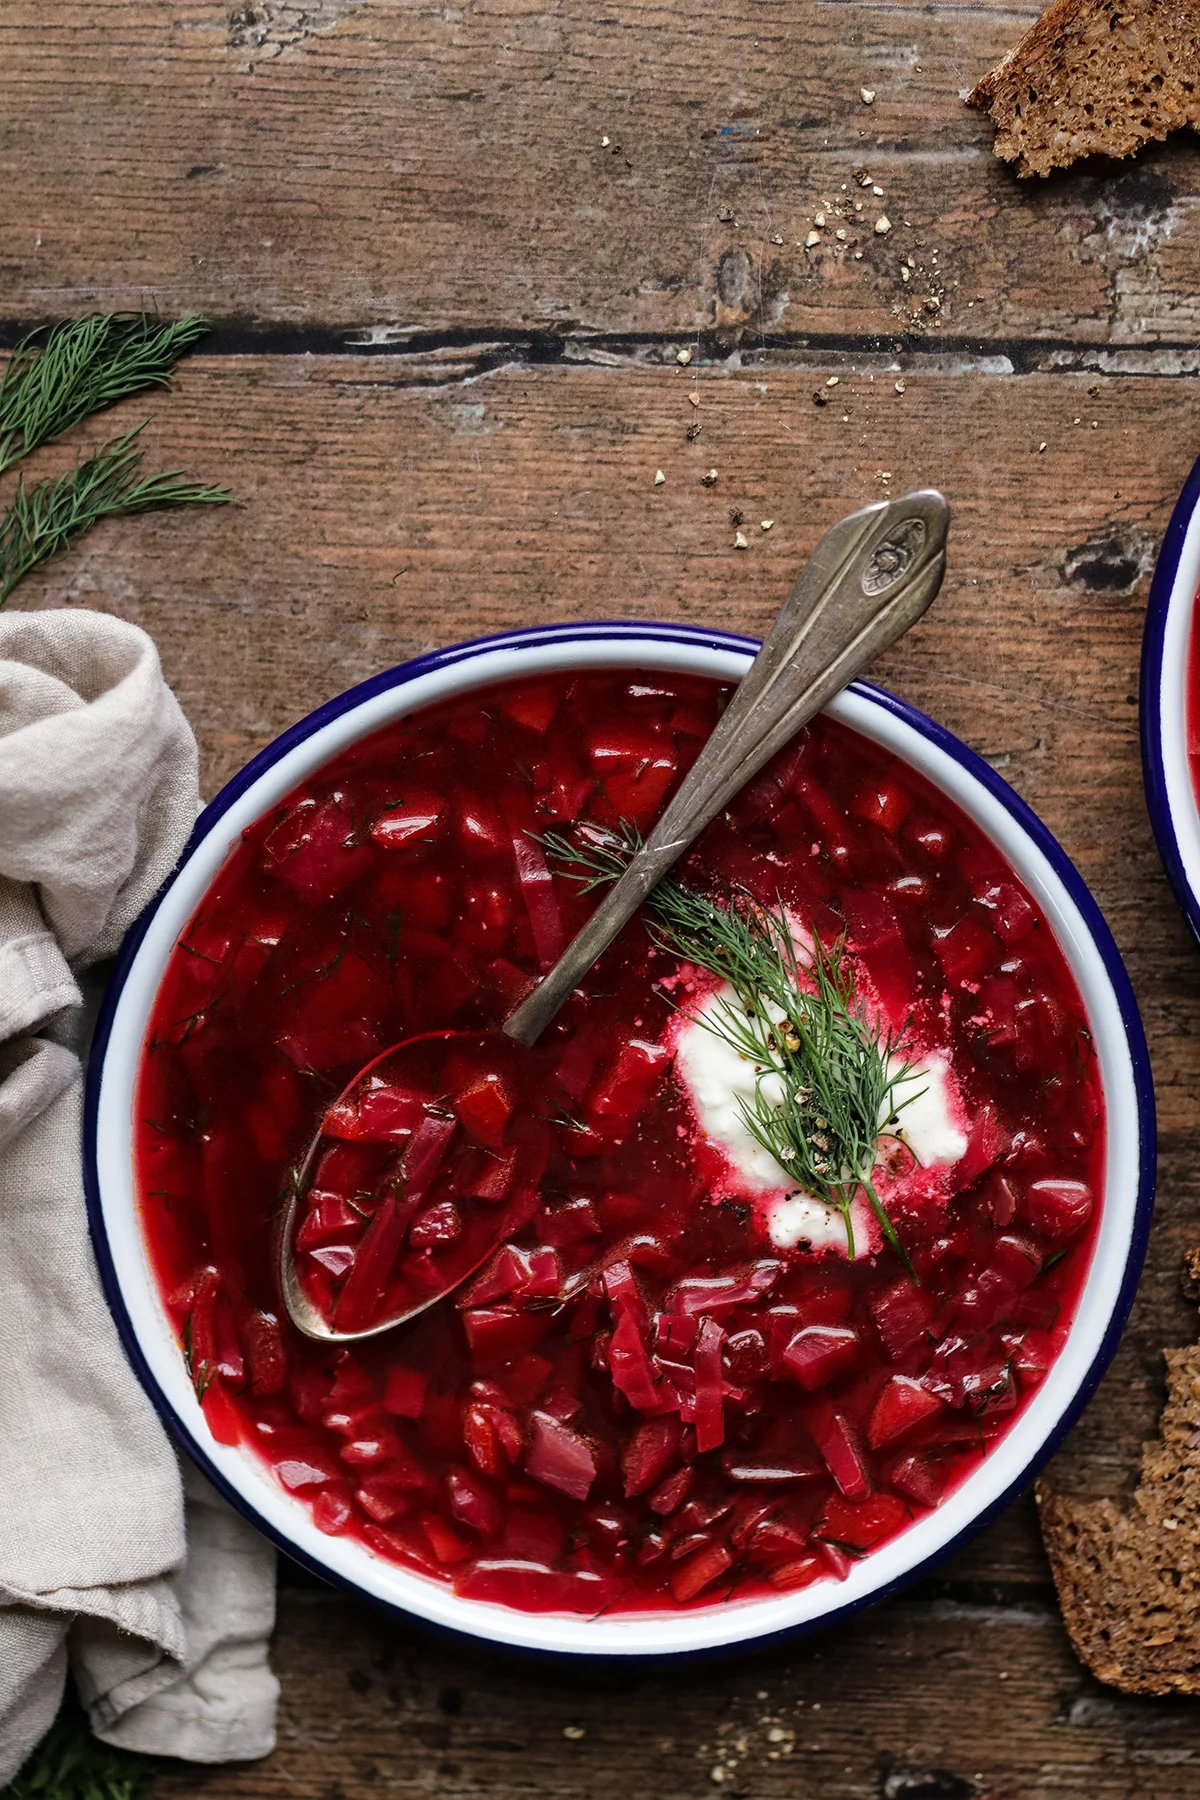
x=638, y=1402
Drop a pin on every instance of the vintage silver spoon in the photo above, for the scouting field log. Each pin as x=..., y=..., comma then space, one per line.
x=870, y=577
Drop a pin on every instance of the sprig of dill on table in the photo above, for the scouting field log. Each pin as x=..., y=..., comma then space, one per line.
x=70, y=1764
x=826, y=1075
x=46, y=517
x=82, y=367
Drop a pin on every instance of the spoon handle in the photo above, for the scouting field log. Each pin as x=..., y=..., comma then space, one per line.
x=871, y=576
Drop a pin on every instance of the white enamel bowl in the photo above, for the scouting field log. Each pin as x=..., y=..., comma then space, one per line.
x=1169, y=645
x=1029, y=848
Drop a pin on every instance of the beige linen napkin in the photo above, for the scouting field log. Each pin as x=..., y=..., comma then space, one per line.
x=162, y=1602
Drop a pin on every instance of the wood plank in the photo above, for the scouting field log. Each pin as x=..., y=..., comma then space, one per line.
x=378, y=166
x=387, y=511
x=916, y=1700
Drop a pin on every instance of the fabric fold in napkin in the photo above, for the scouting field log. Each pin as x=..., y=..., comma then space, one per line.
x=156, y=1593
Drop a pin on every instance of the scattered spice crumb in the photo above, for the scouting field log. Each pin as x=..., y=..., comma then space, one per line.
x=725, y=214
x=812, y=240
x=604, y=143
x=820, y=219
x=905, y=273
x=717, y=1773
x=833, y=381
x=709, y=478
x=693, y=431
x=694, y=397
x=868, y=96
x=877, y=191
x=1041, y=446
x=819, y=399
x=741, y=541
x=735, y=516
x=883, y=225
x=767, y=524
x=899, y=387
x=840, y=235
x=846, y=420
x=659, y=477
x=776, y=237
x=683, y=358
x=574, y=1732
x=1095, y=422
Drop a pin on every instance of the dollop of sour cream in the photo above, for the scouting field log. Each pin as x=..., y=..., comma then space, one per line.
x=720, y=1080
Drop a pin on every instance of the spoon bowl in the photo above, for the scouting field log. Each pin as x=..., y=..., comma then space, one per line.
x=427, y=1161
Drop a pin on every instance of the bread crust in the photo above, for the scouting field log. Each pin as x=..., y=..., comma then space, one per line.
x=1094, y=77
x=1129, y=1582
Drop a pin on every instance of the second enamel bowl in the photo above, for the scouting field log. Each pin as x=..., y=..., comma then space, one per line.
x=147, y=1332
x=1170, y=702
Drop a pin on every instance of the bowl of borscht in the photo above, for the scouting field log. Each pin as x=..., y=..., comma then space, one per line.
x=718, y=1382
x=1170, y=702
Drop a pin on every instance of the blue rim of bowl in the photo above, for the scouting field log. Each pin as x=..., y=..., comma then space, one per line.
x=1154, y=773
x=532, y=638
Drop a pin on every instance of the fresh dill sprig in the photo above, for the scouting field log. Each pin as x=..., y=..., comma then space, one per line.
x=83, y=366
x=70, y=1764
x=45, y=518
x=826, y=1075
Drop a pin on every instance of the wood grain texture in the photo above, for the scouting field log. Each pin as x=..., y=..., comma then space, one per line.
x=368, y=166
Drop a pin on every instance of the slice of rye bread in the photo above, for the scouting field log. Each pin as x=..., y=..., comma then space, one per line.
x=1095, y=77
x=1129, y=1582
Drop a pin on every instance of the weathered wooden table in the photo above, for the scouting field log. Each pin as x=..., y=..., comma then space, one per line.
x=454, y=248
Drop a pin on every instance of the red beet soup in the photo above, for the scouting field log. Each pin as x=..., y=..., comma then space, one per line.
x=724, y=1313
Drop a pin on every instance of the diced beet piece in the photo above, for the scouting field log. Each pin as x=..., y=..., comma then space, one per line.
x=835, y=1440
x=220, y=1414
x=484, y=1109
x=819, y=1353
x=335, y=1259
x=776, y=1539
x=499, y=1333
x=986, y=1140
x=311, y=1470
x=376, y=1111
x=479, y=828
x=380, y=1502
x=1057, y=1209
x=966, y=950
x=417, y=815
x=1012, y=911
x=541, y=902
x=621, y=1286
x=1032, y=1354
x=902, y=1314
x=266, y=1359
x=882, y=802
x=377, y=1252
x=700, y=1571
x=642, y=1384
x=635, y=766
x=746, y=1355
x=670, y=1494
x=404, y=1392
x=861, y=1524
x=999, y=1198
x=545, y=1275
x=710, y=1410
x=559, y=1457
x=313, y=850
x=626, y=1084
x=328, y=1218
x=876, y=937
x=649, y=1453
x=697, y=1294
x=902, y=1405
x=493, y=1438
x=506, y=1273
x=799, y=1574
x=446, y=1544
x=918, y=1476
x=440, y=1224
x=331, y=1511
x=473, y=1504
x=533, y=705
